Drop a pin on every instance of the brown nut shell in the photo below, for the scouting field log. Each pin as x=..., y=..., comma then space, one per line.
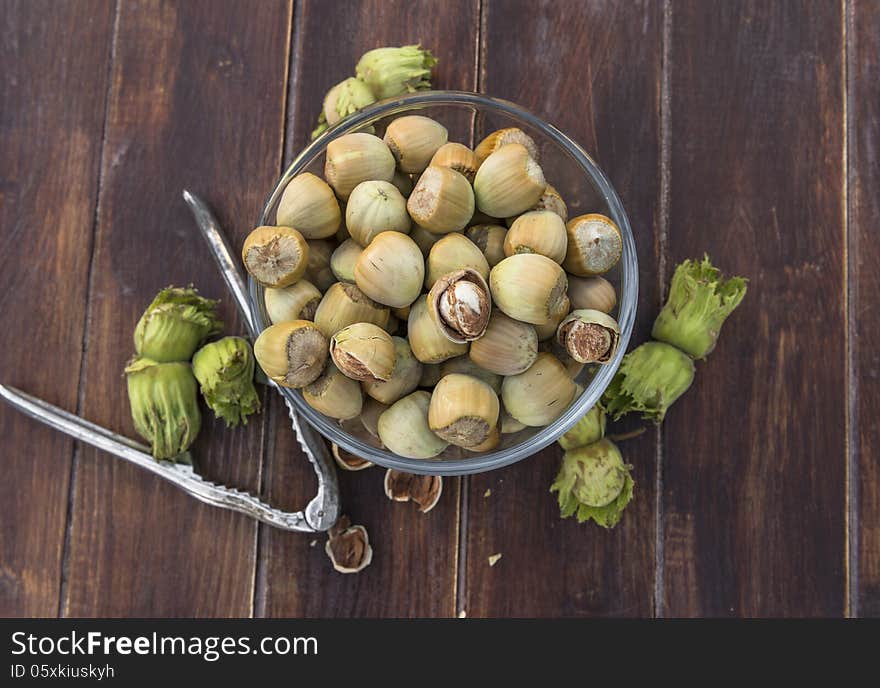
x=596, y=293
x=463, y=411
x=318, y=270
x=528, y=287
x=292, y=354
x=348, y=461
x=490, y=443
x=404, y=377
x=391, y=270
x=508, y=347
x=509, y=182
x=460, y=304
x=404, y=430
x=424, y=490
x=413, y=140
x=309, y=204
x=589, y=336
x=344, y=305
x=299, y=301
x=490, y=240
x=356, y=158
x=465, y=366
x=343, y=260
x=442, y=201
x=348, y=547
x=275, y=256
x=334, y=394
x=454, y=252
x=594, y=245
x=539, y=396
x=458, y=157
x=429, y=344
x=363, y=351
x=502, y=137
x=548, y=329
x=552, y=200
x=537, y=231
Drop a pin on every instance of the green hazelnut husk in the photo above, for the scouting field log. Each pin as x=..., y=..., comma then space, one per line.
x=164, y=405
x=699, y=302
x=225, y=371
x=392, y=72
x=650, y=379
x=346, y=98
x=590, y=428
x=594, y=484
x=175, y=324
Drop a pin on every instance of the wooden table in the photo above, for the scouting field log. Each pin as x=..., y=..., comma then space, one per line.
x=745, y=129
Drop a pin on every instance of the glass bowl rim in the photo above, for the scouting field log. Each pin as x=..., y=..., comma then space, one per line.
x=627, y=299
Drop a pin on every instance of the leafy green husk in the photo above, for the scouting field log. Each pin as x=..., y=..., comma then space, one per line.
x=392, y=72
x=344, y=99
x=225, y=372
x=606, y=516
x=175, y=324
x=699, y=302
x=650, y=379
x=590, y=471
x=590, y=428
x=164, y=405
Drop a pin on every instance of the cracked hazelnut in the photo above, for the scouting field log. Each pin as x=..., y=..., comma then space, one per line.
x=460, y=305
x=589, y=336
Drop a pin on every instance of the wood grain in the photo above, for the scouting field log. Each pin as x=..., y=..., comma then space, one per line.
x=54, y=58
x=593, y=70
x=864, y=255
x=755, y=459
x=413, y=572
x=197, y=101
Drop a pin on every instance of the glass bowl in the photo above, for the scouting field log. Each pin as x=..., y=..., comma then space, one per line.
x=469, y=117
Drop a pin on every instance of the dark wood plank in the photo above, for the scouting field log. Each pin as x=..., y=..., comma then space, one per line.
x=755, y=457
x=592, y=69
x=864, y=133
x=413, y=572
x=55, y=58
x=197, y=101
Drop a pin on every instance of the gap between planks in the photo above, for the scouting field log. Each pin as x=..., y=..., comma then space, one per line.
x=661, y=251
x=291, y=80
x=87, y=321
x=850, y=286
x=460, y=591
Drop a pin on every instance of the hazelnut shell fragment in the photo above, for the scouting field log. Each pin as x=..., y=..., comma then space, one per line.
x=424, y=490
x=348, y=461
x=348, y=546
